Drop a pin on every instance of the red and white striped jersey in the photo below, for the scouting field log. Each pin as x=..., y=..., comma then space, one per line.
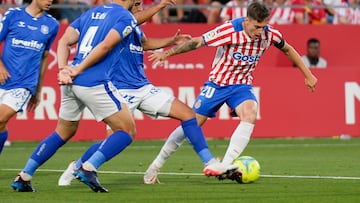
x=234, y=9
x=237, y=54
x=352, y=15
x=281, y=14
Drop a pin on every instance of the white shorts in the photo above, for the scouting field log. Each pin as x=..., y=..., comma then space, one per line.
x=149, y=99
x=101, y=100
x=15, y=98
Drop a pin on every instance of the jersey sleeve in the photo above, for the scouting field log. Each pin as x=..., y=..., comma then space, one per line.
x=219, y=36
x=125, y=26
x=6, y=22
x=53, y=36
x=76, y=24
x=277, y=39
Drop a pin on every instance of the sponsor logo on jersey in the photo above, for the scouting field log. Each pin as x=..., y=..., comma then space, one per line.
x=137, y=49
x=26, y=44
x=245, y=58
x=21, y=24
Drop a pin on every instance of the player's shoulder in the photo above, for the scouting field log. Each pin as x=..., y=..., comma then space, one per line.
x=51, y=19
x=238, y=24
x=272, y=29
x=14, y=12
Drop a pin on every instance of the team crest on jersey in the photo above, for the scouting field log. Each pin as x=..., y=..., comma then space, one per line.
x=44, y=29
x=197, y=104
x=127, y=31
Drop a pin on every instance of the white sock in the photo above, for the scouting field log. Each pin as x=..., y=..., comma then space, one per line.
x=174, y=141
x=88, y=166
x=239, y=140
x=25, y=176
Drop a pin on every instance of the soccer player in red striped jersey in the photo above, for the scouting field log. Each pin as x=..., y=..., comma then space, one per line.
x=240, y=44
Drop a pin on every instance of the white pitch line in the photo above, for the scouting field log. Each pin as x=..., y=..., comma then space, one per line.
x=201, y=174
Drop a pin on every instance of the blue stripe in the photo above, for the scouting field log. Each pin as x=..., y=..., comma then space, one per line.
x=110, y=93
x=26, y=101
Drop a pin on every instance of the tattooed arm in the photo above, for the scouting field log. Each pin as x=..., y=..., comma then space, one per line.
x=159, y=57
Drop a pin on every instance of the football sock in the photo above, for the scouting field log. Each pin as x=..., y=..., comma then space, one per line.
x=92, y=149
x=174, y=141
x=239, y=140
x=3, y=138
x=110, y=147
x=43, y=152
x=196, y=137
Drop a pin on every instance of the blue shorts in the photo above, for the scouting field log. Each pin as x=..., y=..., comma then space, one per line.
x=213, y=96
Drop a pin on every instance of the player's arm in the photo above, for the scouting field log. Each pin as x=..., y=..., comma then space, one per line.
x=35, y=99
x=310, y=79
x=99, y=52
x=194, y=43
x=68, y=39
x=4, y=74
x=157, y=43
x=145, y=15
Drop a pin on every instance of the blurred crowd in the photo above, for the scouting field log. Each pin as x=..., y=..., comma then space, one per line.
x=217, y=11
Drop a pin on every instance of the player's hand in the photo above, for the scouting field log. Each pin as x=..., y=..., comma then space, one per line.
x=64, y=76
x=4, y=75
x=158, y=58
x=181, y=38
x=32, y=104
x=164, y=3
x=311, y=82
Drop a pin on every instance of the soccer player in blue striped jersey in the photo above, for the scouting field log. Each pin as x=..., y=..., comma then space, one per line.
x=27, y=34
x=132, y=83
x=100, y=34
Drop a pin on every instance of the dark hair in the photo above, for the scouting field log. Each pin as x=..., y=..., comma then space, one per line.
x=258, y=11
x=313, y=41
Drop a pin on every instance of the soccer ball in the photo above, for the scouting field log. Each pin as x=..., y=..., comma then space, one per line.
x=249, y=167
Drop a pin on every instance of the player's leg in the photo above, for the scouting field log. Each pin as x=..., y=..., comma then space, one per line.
x=173, y=142
x=241, y=135
x=244, y=103
x=107, y=106
x=5, y=115
x=9, y=106
x=124, y=131
x=70, y=113
x=133, y=98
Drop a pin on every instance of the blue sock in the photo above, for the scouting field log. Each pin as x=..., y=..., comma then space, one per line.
x=93, y=148
x=196, y=137
x=110, y=147
x=43, y=152
x=3, y=138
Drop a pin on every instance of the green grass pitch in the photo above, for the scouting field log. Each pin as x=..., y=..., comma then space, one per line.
x=292, y=171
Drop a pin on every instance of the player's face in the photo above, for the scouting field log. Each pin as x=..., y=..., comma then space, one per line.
x=43, y=4
x=137, y=7
x=253, y=28
x=130, y=4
